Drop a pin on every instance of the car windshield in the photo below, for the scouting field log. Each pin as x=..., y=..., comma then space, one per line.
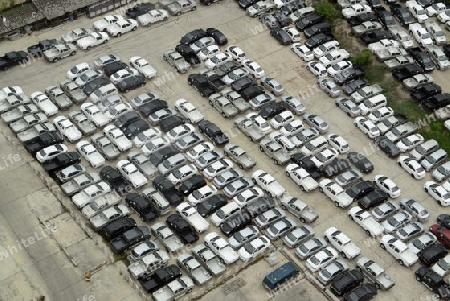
x=250, y=249
x=238, y=236
x=444, y=265
x=221, y=214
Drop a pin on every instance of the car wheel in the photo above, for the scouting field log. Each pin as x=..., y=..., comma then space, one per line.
x=336, y=204
x=165, y=59
x=351, y=217
x=382, y=246
x=326, y=239
x=261, y=149
x=400, y=262
x=73, y=53
x=178, y=14
x=134, y=29
x=164, y=19
x=88, y=48
x=343, y=255
x=250, y=138
x=276, y=162
x=55, y=60
x=241, y=166
x=418, y=279
x=368, y=233
x=118, y=35
x=302, y=188
x=440, y=203
x=288, y=175
x=194, y=8
x=210, y=103
x=302, y=220
x=348, y=114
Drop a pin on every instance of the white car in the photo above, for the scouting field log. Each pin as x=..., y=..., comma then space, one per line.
x=412, y=167
x=394, y=222
x=199, y=149
x=50, y=152
x=410, y=142
x=442, y=267
x=338, y=68
x=180, y=131
x=152, y=17
x=321, y=259
x=188, y=111
x=77, y=70
x=216, y=168
x=143, y=66
x=342, y=243
x=102, y=24
x=421, y=35
x=253, y=68
x=117, y=110
x=90, y=153
x=281, y=119
x=324, y=157
x=90, y=193
x=301, y=177
x=367, y=127
x=399, y=250
x=237, y=53
x=248, y=195
x=94, y=114
x=44, y=103
x=201, y=194
x=117, y=137
x=261, y=124
x=422, y=242
x=366, y=221
x=339, y=143
x=122, y=74
x=438, y=192
x=254, y=248
x=191, y=215
x=208, y=52
x=268, y=183
x=155, y=144
x=334, y=57
x=323, y=49
x=224, y=212
x=218, y=60
x=336, y=193
x=380, y=114
x=221, y=248
x=292, y=128
x=371, y=104
x=293, y=33
x=146, y=136
x=204, y=42
x=182, y=173
x=92, y=40
x=387, y=185
x=316, y=68
x=303, y=52
x=435, y=9
x=67, y=128
x=130, y=172
x=382, y=44
x=121, y=27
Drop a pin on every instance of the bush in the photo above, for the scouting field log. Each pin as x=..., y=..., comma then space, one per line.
x=363, y=59
x=327, y=11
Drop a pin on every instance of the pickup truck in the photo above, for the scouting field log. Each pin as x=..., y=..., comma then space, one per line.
x=366, y=221
x=417, y=11
x=178, y=7
x=421, y=35
x=82, y=122
x=148, y=264
x=208, y=259
x=80, y=182
x=13, y=58
x=35, y=131
x=443, y=113
x=336, y=193
x=364, y=27
x=301, y=177
x=247, y=126
x=355, y=10
x=375, y=273
x=143, y=163
x=27, y=122
x=389, y=52
x=90, y=193
x=174, y=289
x=401, y=36
x=347, y=3
x=382, y=44
x=342, y=243
x=299, y=208
x=398, y=61
x=191, y=215
x=436, y=32
x=368, y=91
x=274, y=151
x=417, y=80
x=107, y=215
x=438, y=57
x=60, y=51
x=167, y=237
x=215, y=81
x=239, y=155
x=18, y=112
x=399, y=250
x=194, y=269
x=12, y=101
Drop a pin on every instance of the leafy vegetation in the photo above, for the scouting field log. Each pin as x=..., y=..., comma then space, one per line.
x=327, y=11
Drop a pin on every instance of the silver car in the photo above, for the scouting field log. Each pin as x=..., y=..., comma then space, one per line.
x=298, y=235
x=348, y=106
x=409, y=231
x=383, y=211
x=415, y=208
x=272, y=85
x=175, y=59
x=348, y=178
x=310, y=247
x=331, y=271
x=316, y=121
x=294, y=104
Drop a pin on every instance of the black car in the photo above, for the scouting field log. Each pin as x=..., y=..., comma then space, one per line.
x=122, y=243
x=211, y=204
x=188, y=54
x=153, y=106
x=163, y=153
x=200, y=83
x=113, y=67
x=251, y=91
x=433, y=281
x=13, y=58
x=292, y=6
x=317, y=28
x=436, y=101
x=336, y=167
x=271, y=110
x=346, y=282
x=213, y=132
x=118, y=227
x=387, y=146
x=125, y=119
x=365, y=292
x=307, y=164
x=43, y=140
x=375, y=36
x=244, y=4
x=170, y=122
x=135, y=128
x=360, y=161
x=446, y=49
x=348, y=75
x=359, y=19
x=161, y=277
x=260, y=205
x=226, y=68
x=38, y=49
x=402, y=14
x=282, y=19
x=385, y=17
x=318, y=40
x=236, y=222
x=374, y=4
x=355, y=85
x=131, y=83
x=422, y=58
x=374, y=198
x=61, y=161
x=193, y=36
x=139, y=10
x=308, y=21
x=444, y=220
x=432, y=254
x=425, y=91
x=243, y=82
x=407, y=71
x=217, y=35
x=191, y=184
x=281, y=36
x=360, y=189
x=426, y=3
x=141, y=206
x=93, y=85
x=185, y=232
x=113, y=177
x=168, y=190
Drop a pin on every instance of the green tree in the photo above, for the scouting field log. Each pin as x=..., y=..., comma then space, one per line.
x=328, y=11
x=364, y=58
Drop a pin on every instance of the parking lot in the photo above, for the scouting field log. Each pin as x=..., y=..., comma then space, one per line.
x=278, y=62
